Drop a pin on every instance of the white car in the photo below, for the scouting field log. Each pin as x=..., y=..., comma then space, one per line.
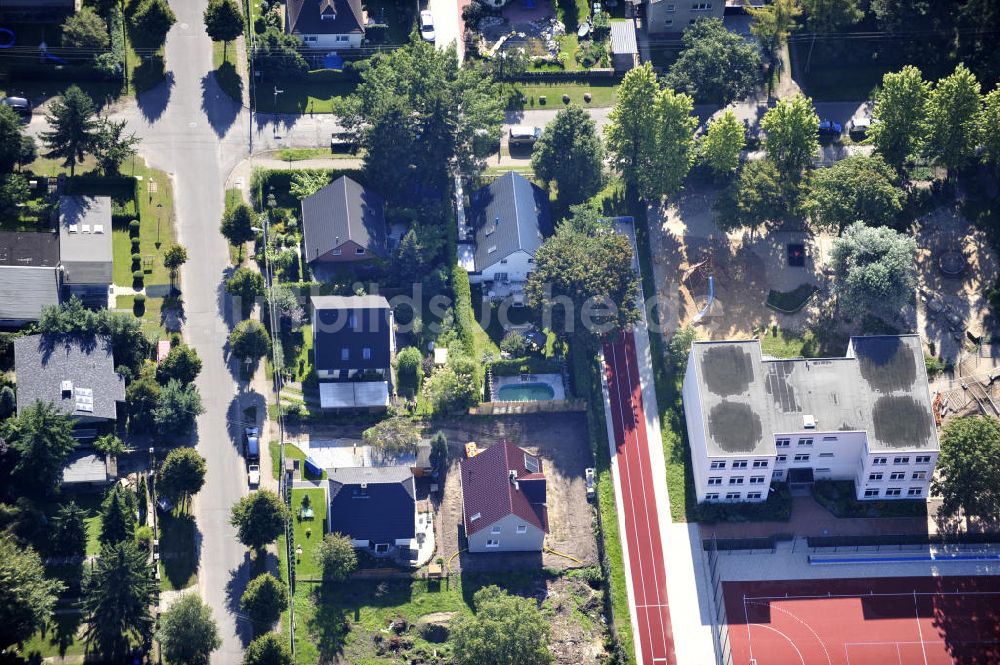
x=253, y=475
x=427, y=25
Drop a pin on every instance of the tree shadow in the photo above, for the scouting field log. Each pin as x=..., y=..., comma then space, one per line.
x=219, y=107
x=153, y=86
x=239, y=578
x=178, y=548
x=61, y=632
x=229, y=81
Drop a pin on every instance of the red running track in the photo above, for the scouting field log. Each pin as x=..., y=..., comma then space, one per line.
x=642, y=526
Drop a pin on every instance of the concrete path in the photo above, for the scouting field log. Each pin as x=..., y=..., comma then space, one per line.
x=448, y=25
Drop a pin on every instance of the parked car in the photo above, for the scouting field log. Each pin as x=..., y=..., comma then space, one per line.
x=253, y=475
x=251, y=446
x=427, y=25
x=523, y=135
x=344, y=142
x=588, y=475
x=830, y=130
x=20, y=105
x=858, y=128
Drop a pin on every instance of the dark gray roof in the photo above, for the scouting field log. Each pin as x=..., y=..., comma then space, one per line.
x=509, y=214
x=85, y=239
x=342, y=211
x=879, y=388
x=29, y=248
x=305, y=17
x=84, y=467
x=623, y=38
x=354, y=323
x=373, y=503
x=44, y=362
x=25, y=291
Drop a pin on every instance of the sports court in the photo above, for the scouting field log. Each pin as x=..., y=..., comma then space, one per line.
x=871, y=621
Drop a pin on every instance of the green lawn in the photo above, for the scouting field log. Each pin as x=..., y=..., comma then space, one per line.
x=781, y=343
x=315, y=94
x=178, y=555
x=299, y=154
x=602, y=94
x=61, y=638
x=226, y=74
x=308, y=532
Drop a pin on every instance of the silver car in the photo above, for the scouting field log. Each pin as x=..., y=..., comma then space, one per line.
x=427, y=25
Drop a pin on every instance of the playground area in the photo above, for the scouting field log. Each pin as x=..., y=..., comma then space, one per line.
x=875, y=621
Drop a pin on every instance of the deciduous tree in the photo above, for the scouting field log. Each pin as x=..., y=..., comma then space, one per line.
x=259, y=518
x=111, y=445
x=182, y=364
x=112, y=147
x=989, y=128
x=188, y=633
x=394, y=436
x=246, y=285
x=570, y=153
x=505, y=629
x=151, y=22
x=85, y=30
x=27, y=597
x=898, y=117
x=249, y=340
x=268, y=649
x=263, y=601
x=177, y=407
x=182, y=475
x=668, y=164
x=173, y=258
x=237, y=225
x=754, y=199
x=831, y=15
x=74, y=128
x=873, y=269
x=223, y=22
x=968, y=468
x=336, y=557
x=630, y=134
x=715, y=66
x=723, y=142
x=791, y=129
x=952, y=130
x=773, y=23
x=859, y=188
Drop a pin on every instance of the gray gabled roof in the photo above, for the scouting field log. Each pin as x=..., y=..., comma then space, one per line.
x=343, y=211
x=509, y=215
x=305, y=17
x=44, y=362
x=85, y=247
x=25, y=291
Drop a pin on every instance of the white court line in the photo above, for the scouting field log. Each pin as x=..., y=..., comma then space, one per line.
x=746, y=620
x=847, y=653
x=805, y=623
x=790, y=640
x=920, y=631
x=654, y=605
x=870, y=593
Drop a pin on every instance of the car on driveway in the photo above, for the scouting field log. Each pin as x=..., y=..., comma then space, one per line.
x=858, y=128
x=251, y=446
x=427, y=25
x=20, y=105
x=829, y=130
x=523, y=136
x=588, y=475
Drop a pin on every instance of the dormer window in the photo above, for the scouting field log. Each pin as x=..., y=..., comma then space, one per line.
x=327, y=11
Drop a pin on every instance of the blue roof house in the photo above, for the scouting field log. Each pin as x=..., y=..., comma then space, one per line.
x=375, y=506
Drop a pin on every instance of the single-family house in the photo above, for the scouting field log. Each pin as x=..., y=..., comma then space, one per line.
x=29, y=275
x=511, y=219
x=326, y=24
x=503, y=496
x=76, y=374
x=85, y=252
x=674, y=16
x=342, y=223
x=375, y=506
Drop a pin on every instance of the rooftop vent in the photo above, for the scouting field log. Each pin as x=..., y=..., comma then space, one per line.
x=98, y=228
x=475, y=517
x=809, y=421
x=85, y=228
x=66, y=387
x=73, y=228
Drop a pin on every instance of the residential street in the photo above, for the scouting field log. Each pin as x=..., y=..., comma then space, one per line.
x=447, y=23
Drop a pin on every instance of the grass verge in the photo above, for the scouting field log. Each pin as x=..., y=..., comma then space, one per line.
x=226, y=74
x=178, y=555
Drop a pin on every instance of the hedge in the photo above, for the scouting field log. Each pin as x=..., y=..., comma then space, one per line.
x=464, y=318
x=532, y=365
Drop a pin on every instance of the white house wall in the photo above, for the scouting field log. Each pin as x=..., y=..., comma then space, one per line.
x=504, y=531
x=517, y=265
x=333, y=42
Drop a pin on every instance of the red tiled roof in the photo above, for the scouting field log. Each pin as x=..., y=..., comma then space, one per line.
x=488, y=491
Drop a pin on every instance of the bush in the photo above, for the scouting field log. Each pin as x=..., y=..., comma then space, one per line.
x=133, y=228
x=464, y=318
x=259, y=26
x=136, y=259
x=472, y=14
x=140, y=298
x=409, y=374
x=135, y=244
x=777, y=508
x=137, y=276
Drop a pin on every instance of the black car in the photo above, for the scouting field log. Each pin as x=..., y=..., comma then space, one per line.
x=20, y=105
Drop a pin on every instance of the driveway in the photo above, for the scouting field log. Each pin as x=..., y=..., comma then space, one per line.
x=448, y=24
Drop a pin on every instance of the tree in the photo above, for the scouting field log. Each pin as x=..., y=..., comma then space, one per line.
x=181, y=475
x=831, y=15
x=505, y=629
x=141, y=398
x=455, y=387
x=41, y=438
x=773, y=23
x=394, y=436
x=968, y=468
x=277, y=56
x=857, y=188
x=111, y=146
x=668, y=164
x=188, y=633
x=14, y=191
x=176, y=408
x=246, y=285
x=287, y=304
x=264, y=599
x=515, y=344
x=268, y=649
x=755, y=198
x=873, y=269
x=336, y=557
x=307, y=183
x=409, y=372
x=85, y=30
x=111, y=445
x=117, y=517
x=439, y=451
x=724, y=141
x=118, y=592
x=182, y=364
x=68, y=534
x=259, y=518
x=237, y=225
x=27, y=597
x=989, y=127
x=952, y=132
x=151, y=22
x=680, y=347
x=898, y=117
x=249, y=340
x=173, y=258
x=8, y=402
x=569, y=152
x=75, y=128
x=630, y=133
x=223, y=22
x=791, y=129
x=715, y=66
x=416, y=113
x=12, y=139
x=591, y=268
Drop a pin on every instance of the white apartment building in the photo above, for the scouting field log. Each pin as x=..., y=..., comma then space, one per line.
x=866, y=417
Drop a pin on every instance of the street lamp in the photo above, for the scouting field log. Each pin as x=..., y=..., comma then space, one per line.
x=159, y=216
x=276, y=93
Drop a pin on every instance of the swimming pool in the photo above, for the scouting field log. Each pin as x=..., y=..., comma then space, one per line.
x=525, y=392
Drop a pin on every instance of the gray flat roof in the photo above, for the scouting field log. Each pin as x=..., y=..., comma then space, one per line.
x=85, y=239
x=880, y=388
x=24, y=291
x=623, y=37
x=84, y=467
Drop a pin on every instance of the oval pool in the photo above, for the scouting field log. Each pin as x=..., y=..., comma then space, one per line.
x=525, y=392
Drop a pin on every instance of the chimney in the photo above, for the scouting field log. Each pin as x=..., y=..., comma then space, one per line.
x=512, y=474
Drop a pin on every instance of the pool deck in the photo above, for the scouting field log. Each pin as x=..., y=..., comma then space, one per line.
x=553, y=381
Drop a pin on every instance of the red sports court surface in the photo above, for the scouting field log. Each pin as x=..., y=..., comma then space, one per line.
x=642, y=526
x=881, y=621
